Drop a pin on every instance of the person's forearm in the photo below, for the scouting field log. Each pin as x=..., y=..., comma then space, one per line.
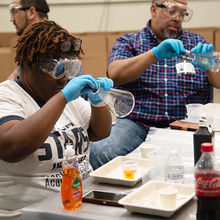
x=25, y=137
x=101, y=122
x=128, y=70
x=214, y=78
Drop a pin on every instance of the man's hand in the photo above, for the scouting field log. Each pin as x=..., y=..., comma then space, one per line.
x=168, y=48
x=206, y=62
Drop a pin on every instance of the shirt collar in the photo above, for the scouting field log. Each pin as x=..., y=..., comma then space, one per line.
x=16, y=79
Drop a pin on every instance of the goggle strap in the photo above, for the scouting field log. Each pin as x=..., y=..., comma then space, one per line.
x=37, y=9
x=161, y=6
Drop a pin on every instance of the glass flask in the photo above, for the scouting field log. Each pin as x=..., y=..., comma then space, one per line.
x=209, y=60
x=119, y=102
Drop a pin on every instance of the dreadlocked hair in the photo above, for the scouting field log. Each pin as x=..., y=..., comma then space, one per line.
x=42, y=40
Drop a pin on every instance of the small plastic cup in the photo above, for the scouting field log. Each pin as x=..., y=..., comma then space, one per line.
x=212, y=110
x=194, y=112
x=168, y=197
x=145, y=149
x=157, y=162
x=147, y=175
x=216, y=124
x=129, y=168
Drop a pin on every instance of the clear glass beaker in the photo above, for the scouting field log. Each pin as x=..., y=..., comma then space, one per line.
x=120, y=102
x=209, y=60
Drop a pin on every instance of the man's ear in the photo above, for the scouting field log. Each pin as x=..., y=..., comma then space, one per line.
x=153, y=9
x=32, y=13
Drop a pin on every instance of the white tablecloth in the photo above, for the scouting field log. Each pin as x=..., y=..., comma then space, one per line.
x=52, y=207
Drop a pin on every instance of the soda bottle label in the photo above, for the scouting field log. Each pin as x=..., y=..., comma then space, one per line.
x=207, y=183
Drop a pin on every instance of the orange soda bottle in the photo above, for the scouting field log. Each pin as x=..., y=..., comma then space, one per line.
x=71, y=187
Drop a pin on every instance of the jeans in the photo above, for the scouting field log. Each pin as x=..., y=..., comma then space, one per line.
x=125, y=137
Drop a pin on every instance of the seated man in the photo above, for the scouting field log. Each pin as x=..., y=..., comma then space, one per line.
x=144, y=63
x=40, y=113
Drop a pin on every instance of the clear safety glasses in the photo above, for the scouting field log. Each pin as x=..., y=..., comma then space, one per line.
x=174, y=9
x=15, y=8
x=62, y=67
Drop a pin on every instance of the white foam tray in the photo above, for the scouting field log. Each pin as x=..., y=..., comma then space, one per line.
x=112, y=172
x=141, y=200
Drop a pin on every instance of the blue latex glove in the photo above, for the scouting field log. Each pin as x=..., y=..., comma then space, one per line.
x=203, y=49
x=168, y=48
x=106, y=84
x=78, y=86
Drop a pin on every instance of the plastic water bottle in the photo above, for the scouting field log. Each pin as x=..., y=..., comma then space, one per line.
x=209, y=60
x=174, y=168
x=71, y=187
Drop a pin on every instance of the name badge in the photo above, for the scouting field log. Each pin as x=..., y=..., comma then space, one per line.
x=185, y=67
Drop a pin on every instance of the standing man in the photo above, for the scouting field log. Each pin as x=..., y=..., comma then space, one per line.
x=23, y=13
x=144, y=63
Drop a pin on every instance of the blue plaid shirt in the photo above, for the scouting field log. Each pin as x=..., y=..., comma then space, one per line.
x=160, y=93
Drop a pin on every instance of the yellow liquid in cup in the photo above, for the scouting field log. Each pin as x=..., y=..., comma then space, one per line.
x=129, y=173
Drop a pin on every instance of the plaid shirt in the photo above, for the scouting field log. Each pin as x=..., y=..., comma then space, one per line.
x=160, y=93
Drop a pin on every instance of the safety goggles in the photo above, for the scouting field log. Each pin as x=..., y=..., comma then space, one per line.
x=15, y=8
x=176, y=9
x=62, y=67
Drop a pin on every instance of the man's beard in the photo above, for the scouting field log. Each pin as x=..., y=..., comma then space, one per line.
x=169, y=35
x=20, y=31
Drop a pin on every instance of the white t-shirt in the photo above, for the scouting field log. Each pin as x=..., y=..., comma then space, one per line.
x=39, y=175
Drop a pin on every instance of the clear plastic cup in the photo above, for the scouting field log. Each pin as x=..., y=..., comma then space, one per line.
x=212, y=110
x=129, y=167
x=147, y=175
x=194, y=112
x=216, y=124
x=157, y=162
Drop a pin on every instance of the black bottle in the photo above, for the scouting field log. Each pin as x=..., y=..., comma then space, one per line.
x=203, y=134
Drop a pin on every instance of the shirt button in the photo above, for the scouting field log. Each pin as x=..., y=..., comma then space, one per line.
x=165, y=65
x=166, y=113
x=165, y=94
x=165, y=79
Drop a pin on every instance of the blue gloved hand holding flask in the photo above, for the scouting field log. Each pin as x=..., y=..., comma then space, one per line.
x=106, y=84
x=78, y=86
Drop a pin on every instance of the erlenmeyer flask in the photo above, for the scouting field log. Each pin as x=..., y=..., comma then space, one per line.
x=120, y=102
x=209, y=60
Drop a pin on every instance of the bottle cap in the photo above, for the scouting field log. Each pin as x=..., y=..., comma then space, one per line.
x=203, y=122
x=206, y=147
x=69, y=151
x=173, y=152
